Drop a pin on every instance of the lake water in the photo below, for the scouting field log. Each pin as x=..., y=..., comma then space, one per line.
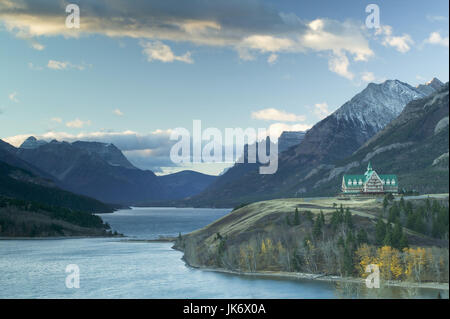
x=131, y=268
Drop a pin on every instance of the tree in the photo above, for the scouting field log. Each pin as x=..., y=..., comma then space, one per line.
x=348, y=218
x=317, y=228
x=380, y=232
x=361, y=237
x=387, y=241
x=397, y=234
x=296, y=217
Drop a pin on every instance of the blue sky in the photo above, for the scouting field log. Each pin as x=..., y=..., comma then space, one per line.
x=136, y=69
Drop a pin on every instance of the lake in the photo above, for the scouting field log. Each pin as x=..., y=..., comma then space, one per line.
x=132, y=268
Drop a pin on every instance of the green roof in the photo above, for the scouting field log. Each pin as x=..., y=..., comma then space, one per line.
x=365, y=177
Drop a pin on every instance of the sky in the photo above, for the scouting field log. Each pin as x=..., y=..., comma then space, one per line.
x=136, y=70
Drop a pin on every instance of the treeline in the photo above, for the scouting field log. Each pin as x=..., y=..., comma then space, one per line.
x=335, y=244
x=429, y=218
x=12, y=222
x=27, y=187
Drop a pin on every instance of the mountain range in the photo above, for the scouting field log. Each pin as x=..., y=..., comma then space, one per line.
x=101, y=171
x=323, y=147
x=382, y=123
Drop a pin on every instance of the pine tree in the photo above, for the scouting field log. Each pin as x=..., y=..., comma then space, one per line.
x=387, y=241
x=397, y=235
x=348, y=218
x=317, y=228
x=380, y=232
x=362, y=237
x=296, y=217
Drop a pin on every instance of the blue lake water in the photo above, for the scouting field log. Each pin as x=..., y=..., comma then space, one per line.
x=130, y=268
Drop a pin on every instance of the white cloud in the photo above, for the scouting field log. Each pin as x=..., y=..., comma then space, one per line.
x=37, y=46
x=436, y=18
x=118, y=112
x=34, y=67
x=400, y=43
x=64, y=65
x=368, y=77
x=13, y=97
x=272, y=58
x=272, y=114
x=436, y=38
x=275, y=129
x=157, y=50
x=56, y=119
x=339, y=64
x=321, y=110
x=77, y=123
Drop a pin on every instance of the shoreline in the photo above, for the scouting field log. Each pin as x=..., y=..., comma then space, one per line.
x=318, y=277
x=327, y=278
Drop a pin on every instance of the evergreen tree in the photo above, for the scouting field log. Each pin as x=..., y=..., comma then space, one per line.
x=348, y=218
x=296, y=217
x=362, y=237
x=380, y=232
x=397, y=235
x=387, y=241
x=317, y=228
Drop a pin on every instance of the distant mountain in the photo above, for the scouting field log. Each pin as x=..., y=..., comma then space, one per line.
x=109, y=152
x=94, y=169
x=32, y=143
x=8, y=156
x=415, y=146
x=18, y=183
x=430, y=87
x=101, y=171
x=288, y=139
x=330, y=140
x=185, y=183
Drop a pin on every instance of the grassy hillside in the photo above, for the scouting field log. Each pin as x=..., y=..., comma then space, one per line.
x=321, y=236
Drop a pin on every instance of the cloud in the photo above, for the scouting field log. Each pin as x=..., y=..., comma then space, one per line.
x=368, y=77
x=13, y=97
x=339, y=64
x=246, y=26
x=63, y=65
x=56, y=119
x=37, y=46
x=77, y=123
x=272, y=58
x=400, y=43
x=272, y=114
x=118, y=112
x=321, y=110
x=436, y=18
x=275, y=130
x=437, y=39
x=34, y=67
x=157, y=50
